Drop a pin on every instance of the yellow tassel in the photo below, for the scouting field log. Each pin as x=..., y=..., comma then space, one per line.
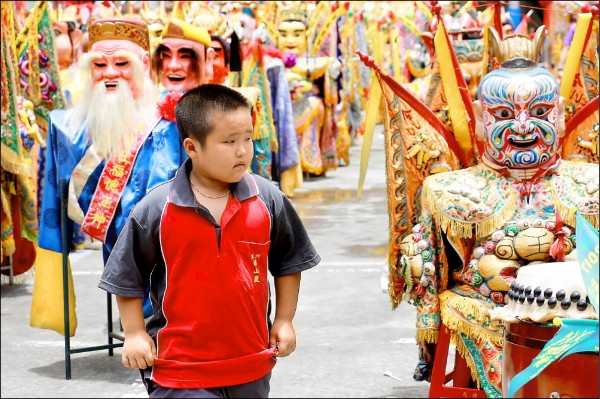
x=453, y=306
x=427, y=336
x=568, y=214
x=464, y=229
x=487, y=227
x=14, y=163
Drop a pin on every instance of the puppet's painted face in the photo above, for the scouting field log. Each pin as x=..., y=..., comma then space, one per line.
x=220, y=67
x=63, y=43
x=181, y=64
x=292, y=37
x=112, y=65
x=520, y=117
x=470, y=57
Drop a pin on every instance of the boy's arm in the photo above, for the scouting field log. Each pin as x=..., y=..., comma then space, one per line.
x=283, y=336
x=126, y=275
x=139, y=349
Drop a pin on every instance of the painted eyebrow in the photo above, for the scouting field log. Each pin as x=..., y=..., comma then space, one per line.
x=546, y=95
x=186, y=51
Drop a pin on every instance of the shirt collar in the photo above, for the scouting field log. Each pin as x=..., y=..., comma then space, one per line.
x=182, y=195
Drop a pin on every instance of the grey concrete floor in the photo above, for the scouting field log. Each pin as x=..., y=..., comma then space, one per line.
x=348, y=337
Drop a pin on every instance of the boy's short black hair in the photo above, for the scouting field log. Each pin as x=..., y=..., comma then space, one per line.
x=194, y=109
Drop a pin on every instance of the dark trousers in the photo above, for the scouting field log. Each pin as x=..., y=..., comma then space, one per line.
x=255, y=389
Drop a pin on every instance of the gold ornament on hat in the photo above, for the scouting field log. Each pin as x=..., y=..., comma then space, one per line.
x=179, y=29
x=294, y=10
x=119, y=29
x=517, y=46
x=203, y=16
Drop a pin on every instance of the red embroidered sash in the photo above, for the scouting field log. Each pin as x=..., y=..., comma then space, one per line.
x=110, y=188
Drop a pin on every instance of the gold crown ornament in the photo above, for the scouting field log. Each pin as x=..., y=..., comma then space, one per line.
x=179, y=29
x=517, y=47
x=203, y=16
x=135, y=31
x=294, y=10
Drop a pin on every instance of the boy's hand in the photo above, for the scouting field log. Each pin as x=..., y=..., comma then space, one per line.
x=283, y=338
x=139, y=350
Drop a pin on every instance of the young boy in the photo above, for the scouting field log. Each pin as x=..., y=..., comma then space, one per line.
x=204, y=241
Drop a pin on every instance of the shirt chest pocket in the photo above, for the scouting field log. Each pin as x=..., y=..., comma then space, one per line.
x=253, y=264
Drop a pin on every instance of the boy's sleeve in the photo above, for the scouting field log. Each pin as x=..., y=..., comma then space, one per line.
x=127, y=271
x=291, y=249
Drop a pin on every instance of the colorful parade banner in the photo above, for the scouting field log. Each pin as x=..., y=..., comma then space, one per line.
x=575, y=335
x=38, y=65
x=12, y=148
x=417, y=144
x=587, y=255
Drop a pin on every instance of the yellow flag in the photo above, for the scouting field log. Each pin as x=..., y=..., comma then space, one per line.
x=47, y=302
x=456, y=91
x=572, y=63
x=370, y=120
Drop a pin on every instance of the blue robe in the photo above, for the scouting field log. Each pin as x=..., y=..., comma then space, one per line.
x=283, y=115
x=157, y=161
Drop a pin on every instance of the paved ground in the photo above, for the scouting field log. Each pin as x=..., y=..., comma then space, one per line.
x=348, y=336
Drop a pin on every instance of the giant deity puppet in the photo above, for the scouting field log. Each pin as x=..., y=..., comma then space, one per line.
x=459, y=238
x=30, y=90
x=313, y=82
x=111, y=148
x=183, y=58
x=261, y=67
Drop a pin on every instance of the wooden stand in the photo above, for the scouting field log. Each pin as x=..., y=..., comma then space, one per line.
x=460, y=375
x=64, y=187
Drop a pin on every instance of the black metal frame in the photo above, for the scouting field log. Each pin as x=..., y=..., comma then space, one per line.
x=64, y=187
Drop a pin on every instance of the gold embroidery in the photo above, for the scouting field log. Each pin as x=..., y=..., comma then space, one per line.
x=254, y=258
x=112, y=185
x=124, y=158
x=98, y=219
x=105, y=203
x=118, y=171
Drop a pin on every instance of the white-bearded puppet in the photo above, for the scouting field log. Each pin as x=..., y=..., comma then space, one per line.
x=113, y=146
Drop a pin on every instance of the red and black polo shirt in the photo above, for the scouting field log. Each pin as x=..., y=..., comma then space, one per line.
x=208, y=281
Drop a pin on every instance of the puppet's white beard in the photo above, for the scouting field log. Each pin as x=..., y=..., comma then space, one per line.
x=112, y=117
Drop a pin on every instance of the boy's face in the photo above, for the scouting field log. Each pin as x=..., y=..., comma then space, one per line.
x=228, y=150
